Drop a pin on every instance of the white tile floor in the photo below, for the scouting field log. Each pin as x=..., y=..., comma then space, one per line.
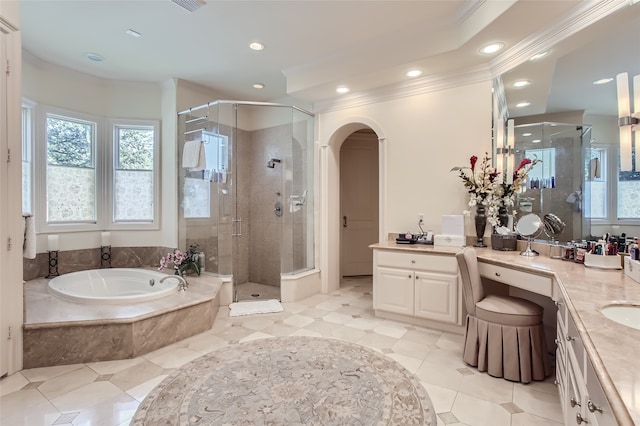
x=108, y=393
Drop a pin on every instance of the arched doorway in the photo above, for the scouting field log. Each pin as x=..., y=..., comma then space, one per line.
x=359, y=200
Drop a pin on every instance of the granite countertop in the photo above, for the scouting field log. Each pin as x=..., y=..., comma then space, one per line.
x=614, y=349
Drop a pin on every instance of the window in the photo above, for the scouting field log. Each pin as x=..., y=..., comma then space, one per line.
x=596, y=184
x=27, y=159
x=134, y=180
x=71, y=170
x=97, y=174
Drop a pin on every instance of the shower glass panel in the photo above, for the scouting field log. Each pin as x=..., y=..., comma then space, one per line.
x=556, y=184
x=251, y=209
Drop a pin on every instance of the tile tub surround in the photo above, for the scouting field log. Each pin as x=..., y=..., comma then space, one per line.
x=80, y=260
x=58, y=332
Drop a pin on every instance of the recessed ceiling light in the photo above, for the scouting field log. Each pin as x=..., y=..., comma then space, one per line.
x=521, y=83
x=603, y=80
x=256, y=46
x=133, y=33
x=536, y=141
x=258, y=86
x=414, y=73
x=94, y=57
x=492, y=48
x=342, y=89
x=526, y=134
x=523, y=104
x=539, y=56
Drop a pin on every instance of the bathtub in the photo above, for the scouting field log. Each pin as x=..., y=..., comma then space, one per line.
x=112, y=286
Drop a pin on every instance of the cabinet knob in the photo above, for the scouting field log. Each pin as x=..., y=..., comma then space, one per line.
x=413, y=261
x=556, y=341
x=558, y=303
x=573, y=403
x=580, y=419
x=569, y=338
x=409, y=275
x=417, y=277
x=497, y=274
x=593, y=407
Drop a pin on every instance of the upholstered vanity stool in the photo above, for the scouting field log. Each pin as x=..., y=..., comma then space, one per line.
x=504, y=335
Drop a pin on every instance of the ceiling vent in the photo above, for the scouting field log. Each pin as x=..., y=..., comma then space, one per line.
x=190, y=5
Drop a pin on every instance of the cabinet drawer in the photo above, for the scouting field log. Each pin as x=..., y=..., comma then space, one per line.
x=597, y=403
x=524, y=280
x=412, y=261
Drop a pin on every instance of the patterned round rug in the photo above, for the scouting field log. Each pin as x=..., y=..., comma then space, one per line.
x=289, y=381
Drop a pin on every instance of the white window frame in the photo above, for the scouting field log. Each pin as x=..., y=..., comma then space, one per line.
x=110, y=159
x=41, y=174
x=28, y=133
x=610, y=169
x=104, y=163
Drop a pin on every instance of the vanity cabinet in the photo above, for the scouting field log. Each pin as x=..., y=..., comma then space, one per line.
x=417, y=285
x=581, y=395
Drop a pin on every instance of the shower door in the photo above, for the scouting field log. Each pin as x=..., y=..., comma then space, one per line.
x=261, y=159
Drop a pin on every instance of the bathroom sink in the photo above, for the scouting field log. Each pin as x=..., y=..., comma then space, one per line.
x=628, y=315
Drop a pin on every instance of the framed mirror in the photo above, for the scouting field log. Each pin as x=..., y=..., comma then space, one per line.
x=565, y=109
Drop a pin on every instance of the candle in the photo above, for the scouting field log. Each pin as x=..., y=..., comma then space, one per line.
x=52, y=242
x=106, y=239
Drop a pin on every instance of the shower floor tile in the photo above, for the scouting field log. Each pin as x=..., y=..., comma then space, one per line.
x=249, y=290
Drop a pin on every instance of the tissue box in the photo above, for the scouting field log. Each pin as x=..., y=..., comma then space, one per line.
x=632, y=268
x=506, y=242
x=602, y=262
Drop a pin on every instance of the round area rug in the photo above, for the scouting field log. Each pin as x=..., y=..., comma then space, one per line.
x=289, y=381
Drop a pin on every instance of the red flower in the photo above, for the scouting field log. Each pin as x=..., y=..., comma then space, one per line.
x=522, y=164
x=473, y=161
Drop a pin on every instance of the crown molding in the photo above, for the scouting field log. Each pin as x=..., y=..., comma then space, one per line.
x=414, y=87
x=582, y=16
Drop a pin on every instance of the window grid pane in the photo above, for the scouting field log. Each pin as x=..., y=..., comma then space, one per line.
x=71, y=194
x=26, y=161
x=134, y=174
x=71, y=174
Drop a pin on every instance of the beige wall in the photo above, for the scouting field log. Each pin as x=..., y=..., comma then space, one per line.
x=424, y=137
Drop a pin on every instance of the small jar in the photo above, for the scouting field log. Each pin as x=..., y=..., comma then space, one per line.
x=569, y=253
x=556, y=251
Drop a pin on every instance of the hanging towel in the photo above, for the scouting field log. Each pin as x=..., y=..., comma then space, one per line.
x=192, y=154
x=595, y=169
x=29, y=232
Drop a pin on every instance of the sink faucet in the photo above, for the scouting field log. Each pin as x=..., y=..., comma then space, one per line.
x=182, y=285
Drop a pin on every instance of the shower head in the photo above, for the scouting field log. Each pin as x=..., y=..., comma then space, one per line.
x=272, y=163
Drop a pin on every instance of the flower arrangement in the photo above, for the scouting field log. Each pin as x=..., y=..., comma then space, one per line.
x=182, y=261
x=480, y=181
x=485, y=190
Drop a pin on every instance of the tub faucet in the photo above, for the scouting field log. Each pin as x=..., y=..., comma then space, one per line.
x=182, y=285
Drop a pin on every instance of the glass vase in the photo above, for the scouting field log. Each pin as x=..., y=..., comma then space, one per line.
x=481, y=225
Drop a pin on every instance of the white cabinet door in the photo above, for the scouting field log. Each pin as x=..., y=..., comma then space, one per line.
x=393, y=290
x=436, y=297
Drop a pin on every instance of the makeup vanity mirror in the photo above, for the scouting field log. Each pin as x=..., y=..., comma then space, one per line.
x=571, y=124
x=529, y=226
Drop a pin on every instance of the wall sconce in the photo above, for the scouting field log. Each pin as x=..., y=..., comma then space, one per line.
x=628, y=120
x=505, y=155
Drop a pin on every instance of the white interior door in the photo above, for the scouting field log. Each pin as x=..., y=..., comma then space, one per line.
x=358, y=202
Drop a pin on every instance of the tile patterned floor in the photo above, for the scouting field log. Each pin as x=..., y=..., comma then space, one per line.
x=108, y=393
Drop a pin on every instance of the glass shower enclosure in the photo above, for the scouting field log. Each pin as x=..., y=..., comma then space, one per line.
x=246, y=200
x=557, y=184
